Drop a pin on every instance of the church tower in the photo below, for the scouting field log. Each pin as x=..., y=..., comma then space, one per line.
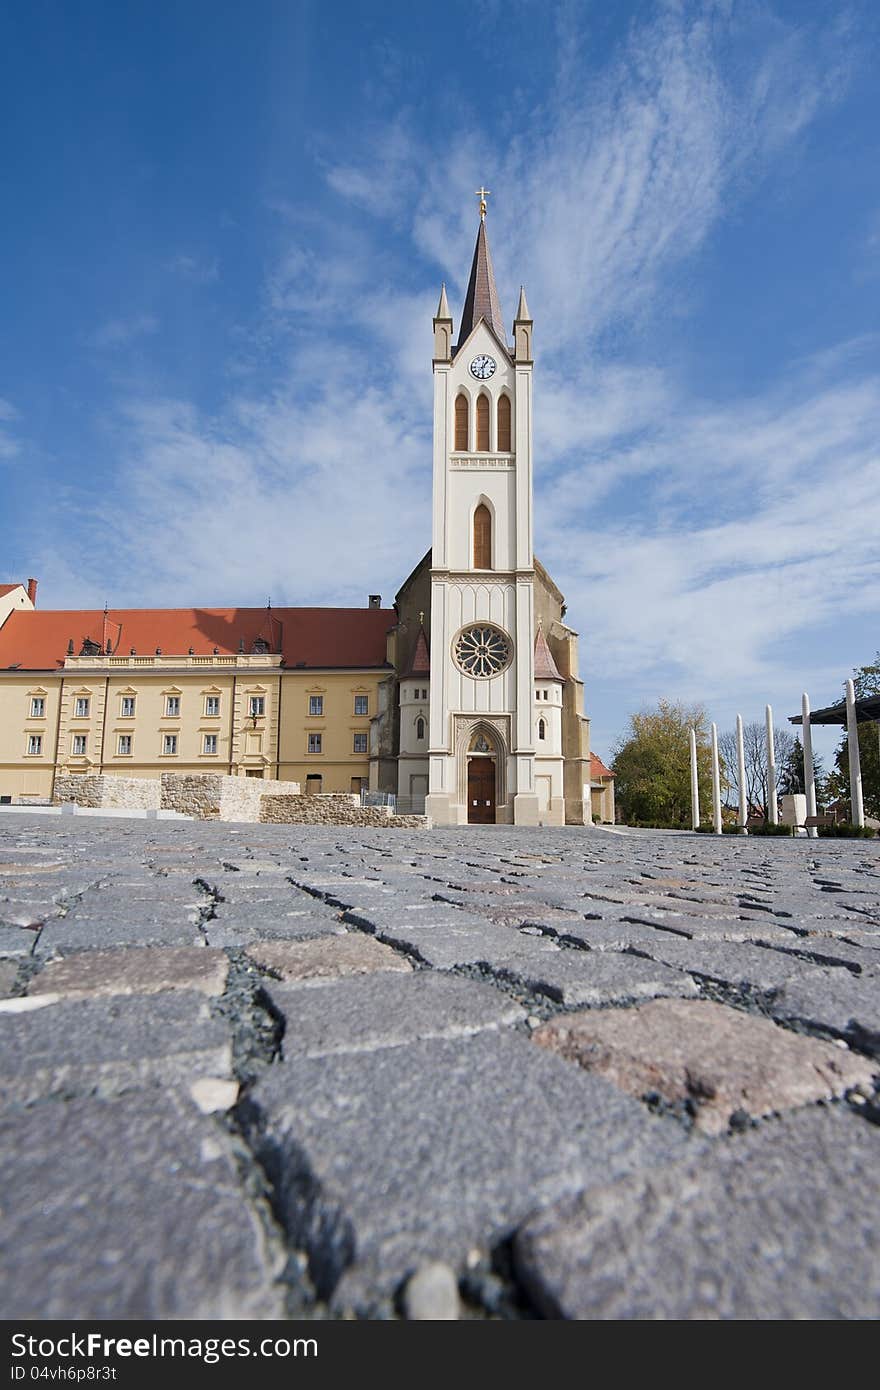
x=493, y=755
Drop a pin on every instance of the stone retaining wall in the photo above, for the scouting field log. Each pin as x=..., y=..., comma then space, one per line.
x=215, y=796
x=334, y=808
x=107, y=793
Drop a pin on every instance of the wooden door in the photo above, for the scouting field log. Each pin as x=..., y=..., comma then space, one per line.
x=481, y=791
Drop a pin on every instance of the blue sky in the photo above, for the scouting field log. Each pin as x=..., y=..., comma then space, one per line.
x=223, y=232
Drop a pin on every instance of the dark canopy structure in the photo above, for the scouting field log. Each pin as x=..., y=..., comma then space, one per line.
x=867, y=711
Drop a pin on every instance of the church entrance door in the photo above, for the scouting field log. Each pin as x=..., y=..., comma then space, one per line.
x=481, y=791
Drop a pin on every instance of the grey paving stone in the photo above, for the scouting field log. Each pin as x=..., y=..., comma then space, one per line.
x=131, y=1208
x=104, y=1047
x=447, y=941
x=782, y=1222
x=134, y=970
x=8, y=973
x=386, y=1010
x=835, y=999
x=723, y=1062
x=16, y=941
x=72, y=934
x=385, y=1159
x=595, y=977
x=241, y=929
x=353, y=953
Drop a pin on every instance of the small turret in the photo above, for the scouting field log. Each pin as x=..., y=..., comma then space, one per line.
x=443, y=330
x=522, y=331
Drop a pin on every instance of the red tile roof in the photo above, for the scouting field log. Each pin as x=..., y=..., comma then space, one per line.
x=316, y=637
x=545, y=667
x=598, y=768
x=420, y=661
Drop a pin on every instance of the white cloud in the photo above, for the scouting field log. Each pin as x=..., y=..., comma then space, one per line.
x=195, y=268
x=118, y=332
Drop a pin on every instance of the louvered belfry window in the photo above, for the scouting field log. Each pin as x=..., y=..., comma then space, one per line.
x=504, y=424
x=461, y=424
x=483, y=424
x=482, y=538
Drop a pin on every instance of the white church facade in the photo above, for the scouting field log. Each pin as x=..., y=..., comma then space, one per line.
x=483, y=722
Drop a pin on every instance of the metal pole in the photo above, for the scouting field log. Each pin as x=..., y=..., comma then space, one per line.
x=855, y=768
x=716, y=783
x=809, y=774
x=772, y=808
x=741, y=777
x=695, y=784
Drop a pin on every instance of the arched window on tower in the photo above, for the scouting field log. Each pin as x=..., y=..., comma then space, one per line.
x=483, y=424
x=542, y=729
x=420, y=729
x=504, y=424
x=482, y=538
x=462, y=443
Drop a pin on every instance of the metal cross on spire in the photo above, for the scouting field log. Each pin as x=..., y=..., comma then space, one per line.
x=483, y=194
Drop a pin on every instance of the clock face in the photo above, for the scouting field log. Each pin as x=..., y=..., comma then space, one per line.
x=483, y=650
x=483, y=367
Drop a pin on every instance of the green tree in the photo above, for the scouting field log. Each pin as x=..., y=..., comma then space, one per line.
x=652, y=766
x=866, y=680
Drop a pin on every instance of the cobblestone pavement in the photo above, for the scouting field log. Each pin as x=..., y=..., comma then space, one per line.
x=267, y=1071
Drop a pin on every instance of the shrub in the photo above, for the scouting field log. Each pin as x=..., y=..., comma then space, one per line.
x=847, y=831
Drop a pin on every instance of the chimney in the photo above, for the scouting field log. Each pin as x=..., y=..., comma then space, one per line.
x=375, y=600
x=32, y=591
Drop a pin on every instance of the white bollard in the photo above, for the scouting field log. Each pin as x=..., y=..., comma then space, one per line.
x=716, y=783
x=772, y=808
x=855, y=766
x=741, y=777
x=695, y=783
x=809, y=776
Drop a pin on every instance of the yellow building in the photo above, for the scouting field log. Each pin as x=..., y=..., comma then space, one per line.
x=284, y=693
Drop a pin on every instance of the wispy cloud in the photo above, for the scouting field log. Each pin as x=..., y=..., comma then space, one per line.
x=197, y=269
x=119, y=332
x=9, y=445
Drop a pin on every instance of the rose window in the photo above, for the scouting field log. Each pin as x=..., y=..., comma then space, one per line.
x=482, y=651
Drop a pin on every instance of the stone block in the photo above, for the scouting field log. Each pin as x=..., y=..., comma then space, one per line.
x=105, y=1047
x=354, y=953
x=132, y=1209
x=779, y=1223
x=386, y=1010
x=384, y=1159
x=721, y=1061
x=135, y=970
x=594, y=977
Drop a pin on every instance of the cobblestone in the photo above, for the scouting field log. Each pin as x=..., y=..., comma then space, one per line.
x=263, y=1069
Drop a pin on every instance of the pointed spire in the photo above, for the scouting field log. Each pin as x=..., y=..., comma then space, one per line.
x=443, y=306
x=481, y=300
x=545, y=667
x=522, y=312
x=420, y=662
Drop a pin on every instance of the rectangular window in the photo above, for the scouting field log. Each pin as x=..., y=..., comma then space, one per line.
x=314, y=743
x=212, y=706
x=79, y=745
x=257, y=705
x=360, y=743
x=38, y=707
x=169, y=744
x=210, y=745
x=361, y=704
x=127, y=710
x=172, y=706
x=123, y=745
x=35, y=744
x=81, y=709
x=316, y=704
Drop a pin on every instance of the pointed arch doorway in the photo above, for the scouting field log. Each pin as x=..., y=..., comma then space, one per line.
x=482, y=782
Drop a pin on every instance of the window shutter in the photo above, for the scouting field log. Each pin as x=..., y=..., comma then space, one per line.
x=483, y=424
x=504, y=424
x=461, y=424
